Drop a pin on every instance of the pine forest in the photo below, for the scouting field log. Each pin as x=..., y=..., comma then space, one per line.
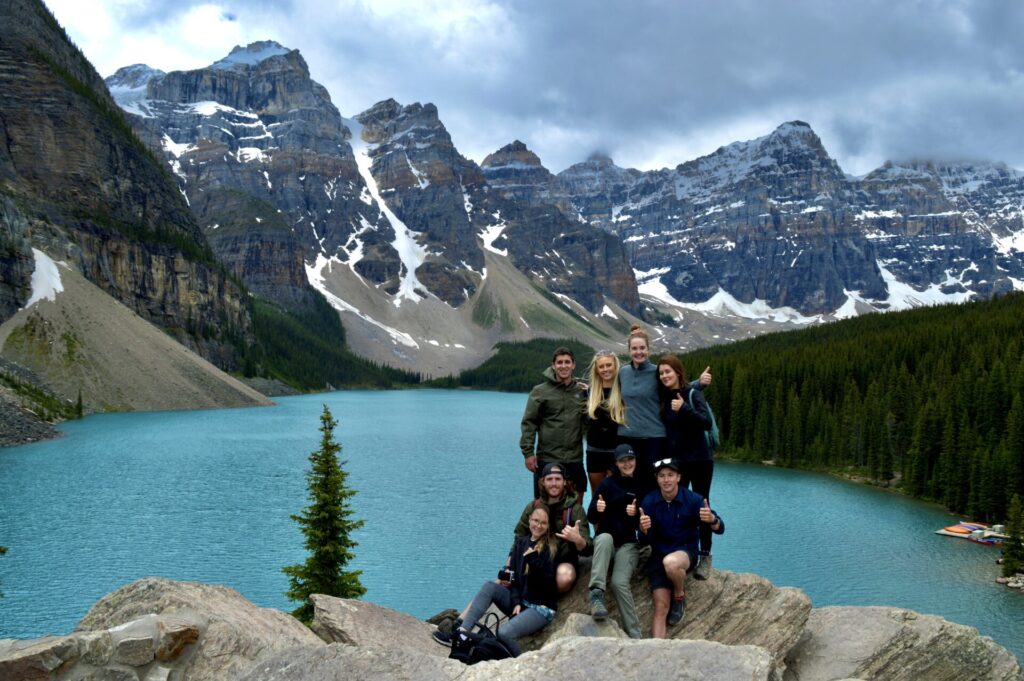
x=929, y=401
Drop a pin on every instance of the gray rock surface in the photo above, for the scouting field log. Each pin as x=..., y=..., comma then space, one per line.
x=233, y=634
x=579, y=624
x=569, y=659
x=896, y=645
x=358, y=623
x=38, y=659
x=198, y=632
x=730, y=608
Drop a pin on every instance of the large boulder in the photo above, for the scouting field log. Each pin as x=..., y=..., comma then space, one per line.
x=150, y=647
x=569, y=659
x=230, y=634
x=38, y=659
x=730, y=608
x=893, y=644
x=358, y=623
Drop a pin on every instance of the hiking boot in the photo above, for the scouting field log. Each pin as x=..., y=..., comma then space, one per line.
x=676, y=610
x=703, y=570
x=597, y=609
x=445, y=637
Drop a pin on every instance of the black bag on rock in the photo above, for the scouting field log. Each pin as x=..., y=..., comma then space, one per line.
x=470, y=647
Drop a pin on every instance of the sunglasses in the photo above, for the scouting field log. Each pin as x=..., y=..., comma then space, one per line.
x=664, y=462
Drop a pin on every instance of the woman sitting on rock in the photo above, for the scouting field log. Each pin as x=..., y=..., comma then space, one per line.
x=526, y=591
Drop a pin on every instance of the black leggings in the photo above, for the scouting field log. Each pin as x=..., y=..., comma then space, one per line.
x=697, y=475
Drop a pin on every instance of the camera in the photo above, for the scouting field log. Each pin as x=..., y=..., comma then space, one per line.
x=506, y=575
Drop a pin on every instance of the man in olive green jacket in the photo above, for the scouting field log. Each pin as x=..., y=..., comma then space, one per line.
x=553, y=422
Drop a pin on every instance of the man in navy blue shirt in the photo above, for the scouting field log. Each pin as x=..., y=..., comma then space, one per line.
x=670, y=519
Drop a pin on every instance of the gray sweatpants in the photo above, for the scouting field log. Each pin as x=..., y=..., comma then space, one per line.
x=526, y=622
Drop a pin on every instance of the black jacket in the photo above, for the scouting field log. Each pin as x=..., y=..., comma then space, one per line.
x=617, y=492
x=534, y=575
x=685, y=428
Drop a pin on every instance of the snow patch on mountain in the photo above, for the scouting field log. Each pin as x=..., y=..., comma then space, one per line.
x=490, y=234
x=905, y=297
x=410, y=252
x=1013, y=242
x=315, y=276
x=46, y=283
x=722, y=304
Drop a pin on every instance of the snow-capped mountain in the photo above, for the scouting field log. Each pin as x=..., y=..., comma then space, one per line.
x=288, y=191
x=767, y=229
x=772, y=228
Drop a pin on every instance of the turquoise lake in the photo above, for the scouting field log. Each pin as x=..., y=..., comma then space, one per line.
x=207, y=496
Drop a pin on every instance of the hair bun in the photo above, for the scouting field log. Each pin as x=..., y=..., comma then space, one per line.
x=635, y=327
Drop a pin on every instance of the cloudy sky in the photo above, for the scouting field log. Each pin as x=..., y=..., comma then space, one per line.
x=653, y=83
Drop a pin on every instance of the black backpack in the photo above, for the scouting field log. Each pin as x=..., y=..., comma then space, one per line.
x=470, y=647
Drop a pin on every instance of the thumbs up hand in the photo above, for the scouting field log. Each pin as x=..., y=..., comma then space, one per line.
x=706, y=516
x=677, y=402
x=631, y=508
x=705, y=378
x=645, y=521
x=601, y=505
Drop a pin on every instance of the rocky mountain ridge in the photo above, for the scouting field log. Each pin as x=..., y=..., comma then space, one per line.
x=76, y=183
x=773, y=227
x=384, y=196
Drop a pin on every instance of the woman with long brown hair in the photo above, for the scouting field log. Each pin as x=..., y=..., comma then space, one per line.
x=687, y=419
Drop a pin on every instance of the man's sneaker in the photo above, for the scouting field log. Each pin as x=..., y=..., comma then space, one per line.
x=703, y=570
x=597, y=609
x=676, y=610
x=445, y=637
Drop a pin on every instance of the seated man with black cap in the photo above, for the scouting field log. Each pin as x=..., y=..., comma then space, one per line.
x=568, y=519
x=670, y=519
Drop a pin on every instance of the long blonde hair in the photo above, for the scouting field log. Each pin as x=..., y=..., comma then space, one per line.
x=616, y=409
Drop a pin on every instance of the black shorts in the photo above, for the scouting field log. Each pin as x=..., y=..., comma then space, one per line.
x=600, y=460
x=656, y=569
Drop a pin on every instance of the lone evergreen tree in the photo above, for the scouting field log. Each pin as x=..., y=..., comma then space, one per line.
x=1013, y=548
x=327, y=523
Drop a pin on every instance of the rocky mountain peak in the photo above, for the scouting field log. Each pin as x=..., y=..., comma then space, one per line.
x=389, y=120
x=600, y=158
x=517, y=173
x=515, y=155
x=129, y=84
x=132, y=77
x=242, y=58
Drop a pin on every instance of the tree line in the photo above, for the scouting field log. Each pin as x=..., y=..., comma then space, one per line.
x=930, y=401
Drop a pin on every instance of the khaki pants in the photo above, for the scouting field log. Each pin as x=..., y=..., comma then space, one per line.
x=624, y=561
